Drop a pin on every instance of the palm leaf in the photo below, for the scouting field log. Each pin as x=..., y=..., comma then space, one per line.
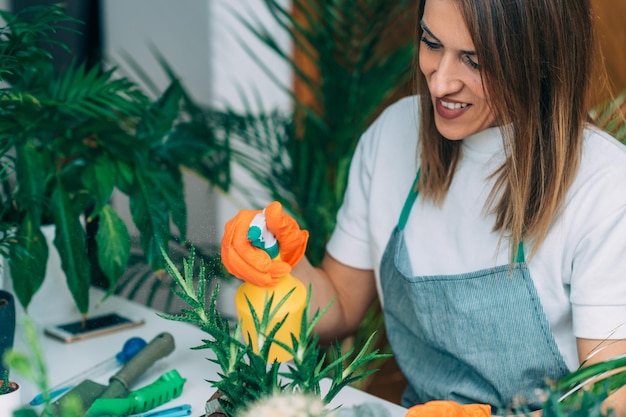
x=610, y=116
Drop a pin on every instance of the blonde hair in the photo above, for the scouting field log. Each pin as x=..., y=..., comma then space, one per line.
x=536, y=60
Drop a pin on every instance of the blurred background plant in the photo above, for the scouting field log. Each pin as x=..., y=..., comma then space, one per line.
x=349, y=58
x=610, y=115
x=77, y=135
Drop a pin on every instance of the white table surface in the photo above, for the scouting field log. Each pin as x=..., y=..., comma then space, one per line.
x=65, y=360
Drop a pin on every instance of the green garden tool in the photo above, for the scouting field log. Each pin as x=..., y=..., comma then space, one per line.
x=89, y=391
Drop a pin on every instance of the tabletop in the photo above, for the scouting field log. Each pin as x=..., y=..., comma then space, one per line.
x=64, y=360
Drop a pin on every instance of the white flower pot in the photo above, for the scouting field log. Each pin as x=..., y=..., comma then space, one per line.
x=10, y=401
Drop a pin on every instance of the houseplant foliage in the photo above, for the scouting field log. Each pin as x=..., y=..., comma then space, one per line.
x=610, y=116
x=350, y=59
x=76, y=136
x=246, y=376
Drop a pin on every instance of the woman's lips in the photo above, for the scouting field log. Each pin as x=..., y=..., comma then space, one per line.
x=457, y=110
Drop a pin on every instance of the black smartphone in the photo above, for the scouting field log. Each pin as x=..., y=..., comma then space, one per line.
x=93, y=326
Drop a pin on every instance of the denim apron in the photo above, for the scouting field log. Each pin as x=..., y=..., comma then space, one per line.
x=477, y=337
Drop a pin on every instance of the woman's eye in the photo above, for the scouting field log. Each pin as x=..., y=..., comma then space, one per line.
x=430, y=44
x=471, y=62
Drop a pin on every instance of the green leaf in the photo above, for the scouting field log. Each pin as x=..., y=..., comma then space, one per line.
x=28, y=266
x=30, y=170
x=19, y=362
x=150, y=215
x=69, y=240
x=113, y=243
x=99, y=179
x=171, y=190
x=125, y=176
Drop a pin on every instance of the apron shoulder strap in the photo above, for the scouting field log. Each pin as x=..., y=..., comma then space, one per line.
x=408, y=203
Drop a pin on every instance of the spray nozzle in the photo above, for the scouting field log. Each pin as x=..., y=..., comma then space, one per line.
x=260, y=237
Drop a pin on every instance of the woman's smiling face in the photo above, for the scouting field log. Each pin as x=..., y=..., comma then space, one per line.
x=447, y=58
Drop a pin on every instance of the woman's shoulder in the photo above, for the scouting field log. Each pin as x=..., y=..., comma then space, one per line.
x=602, y=152
x=601, y=173
x=402, y=112
x=396, y=125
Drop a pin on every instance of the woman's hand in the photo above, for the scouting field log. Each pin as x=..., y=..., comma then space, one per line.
x=448, y=409
x=291, y=239
x=252, y=264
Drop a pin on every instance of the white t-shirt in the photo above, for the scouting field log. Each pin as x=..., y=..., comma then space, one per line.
x=579, y=270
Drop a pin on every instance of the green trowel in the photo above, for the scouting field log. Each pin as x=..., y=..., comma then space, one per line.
x=89, y=391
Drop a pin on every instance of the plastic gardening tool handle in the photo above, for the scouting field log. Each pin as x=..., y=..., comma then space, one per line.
x=167, y=387
x=159, y=347
x=130, y=349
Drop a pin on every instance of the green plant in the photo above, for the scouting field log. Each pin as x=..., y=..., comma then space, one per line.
x=361, y=54
x=247, y=376
x=75, y=137
x=140, y=282
x=4, y=378
x=582, y=392
x=610, y=116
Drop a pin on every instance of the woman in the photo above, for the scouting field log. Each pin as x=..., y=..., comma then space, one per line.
x=504, y=265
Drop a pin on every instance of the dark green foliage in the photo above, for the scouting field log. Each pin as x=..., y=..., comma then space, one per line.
x=362, y=54
x=69, y=140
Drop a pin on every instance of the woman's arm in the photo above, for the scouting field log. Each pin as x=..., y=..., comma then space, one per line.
x=353, y=291
x=592, y=351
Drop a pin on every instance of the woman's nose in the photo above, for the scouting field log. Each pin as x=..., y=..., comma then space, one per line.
x=445, y=79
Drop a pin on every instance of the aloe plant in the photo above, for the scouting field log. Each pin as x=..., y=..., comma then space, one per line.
x=246, y=375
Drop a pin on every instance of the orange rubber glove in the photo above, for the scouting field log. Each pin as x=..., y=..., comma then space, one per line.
x=252, y=264
x=291, y=240
x=448, y=409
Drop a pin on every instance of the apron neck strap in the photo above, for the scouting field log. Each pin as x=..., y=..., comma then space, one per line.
x=519, y=256
x=408, y=203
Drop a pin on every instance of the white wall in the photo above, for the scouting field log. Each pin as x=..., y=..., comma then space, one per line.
x=199, y=39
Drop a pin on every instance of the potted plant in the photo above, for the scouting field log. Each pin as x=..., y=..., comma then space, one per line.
x=249, y=372
x=10, y=395
x=7, y=324
x=75, y=137
x=9, y=390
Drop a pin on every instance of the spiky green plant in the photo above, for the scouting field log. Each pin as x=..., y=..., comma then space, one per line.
x=246, y=375
x=582, y=392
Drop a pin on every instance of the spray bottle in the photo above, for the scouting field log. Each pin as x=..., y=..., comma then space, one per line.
x=258, y=296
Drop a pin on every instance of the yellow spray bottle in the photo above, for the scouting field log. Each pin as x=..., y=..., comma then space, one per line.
x=291, y=310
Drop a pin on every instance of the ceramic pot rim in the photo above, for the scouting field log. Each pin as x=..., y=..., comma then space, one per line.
x=13, y=386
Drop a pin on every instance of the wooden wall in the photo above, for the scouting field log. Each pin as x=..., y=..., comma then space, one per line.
x=611, y=33
x=610, y=18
